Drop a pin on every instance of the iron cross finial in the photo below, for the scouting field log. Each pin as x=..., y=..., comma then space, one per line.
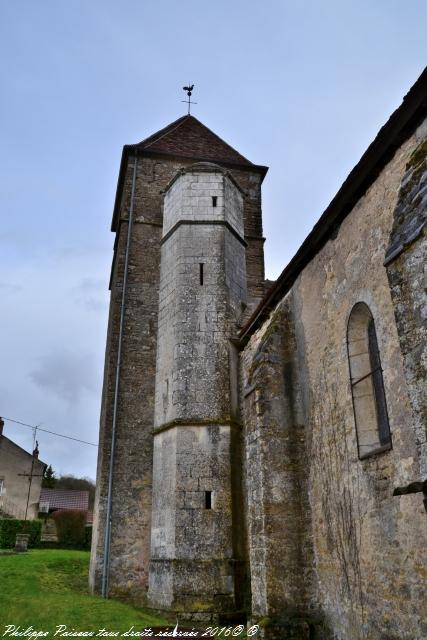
x=189, y=89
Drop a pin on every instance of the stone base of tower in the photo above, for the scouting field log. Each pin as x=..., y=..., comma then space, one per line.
x=195, y=589
x=193, y=568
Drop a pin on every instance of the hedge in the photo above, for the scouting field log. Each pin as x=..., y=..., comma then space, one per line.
x=70, y=528
x=88, y=536
x=9, y=527
x=58, y=545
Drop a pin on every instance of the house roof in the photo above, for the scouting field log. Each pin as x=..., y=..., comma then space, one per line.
x=65, y=499
x=189, y=138
x=27, y=453
x=391, y=136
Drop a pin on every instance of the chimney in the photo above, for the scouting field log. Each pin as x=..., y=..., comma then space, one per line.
x=1, y=426
x=36, y=451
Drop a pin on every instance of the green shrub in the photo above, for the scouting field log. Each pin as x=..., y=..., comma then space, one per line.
x=57, y=545
x=9, y=527
x=70, y=528
x=88, y=536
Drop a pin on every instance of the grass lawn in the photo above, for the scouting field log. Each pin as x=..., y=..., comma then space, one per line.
x=45, y=588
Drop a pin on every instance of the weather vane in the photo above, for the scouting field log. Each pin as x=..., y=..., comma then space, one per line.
x=189, y=91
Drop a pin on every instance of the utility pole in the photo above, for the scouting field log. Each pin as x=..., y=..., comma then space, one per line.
x=32, y=475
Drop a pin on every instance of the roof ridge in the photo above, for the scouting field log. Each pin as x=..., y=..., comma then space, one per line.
x=180, y=121
x=164, y=130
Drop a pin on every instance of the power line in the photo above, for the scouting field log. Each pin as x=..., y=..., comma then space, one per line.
x=54, y=433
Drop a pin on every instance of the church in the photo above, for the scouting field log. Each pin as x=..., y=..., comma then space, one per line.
x=263, y=446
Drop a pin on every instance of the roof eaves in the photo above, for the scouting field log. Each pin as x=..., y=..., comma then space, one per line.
x=223, y=162
x=139, y=150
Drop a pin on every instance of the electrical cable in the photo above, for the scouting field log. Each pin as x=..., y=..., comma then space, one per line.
x=54, y=433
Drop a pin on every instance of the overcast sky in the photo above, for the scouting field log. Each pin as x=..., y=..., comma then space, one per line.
x=302, y=87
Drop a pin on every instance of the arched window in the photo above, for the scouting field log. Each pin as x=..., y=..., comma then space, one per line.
x=367, y=387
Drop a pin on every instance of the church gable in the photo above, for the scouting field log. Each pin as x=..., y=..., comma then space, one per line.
x=188, y=137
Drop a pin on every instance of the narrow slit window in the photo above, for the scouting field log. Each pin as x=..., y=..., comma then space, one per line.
x=367, y=385
x=201, y=265
x=214, y=199
x=208, y=499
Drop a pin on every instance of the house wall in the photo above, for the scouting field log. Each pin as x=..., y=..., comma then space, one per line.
x=360, y=550
x=13, y=462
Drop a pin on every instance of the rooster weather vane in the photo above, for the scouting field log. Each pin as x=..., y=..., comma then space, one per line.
x=189, y=90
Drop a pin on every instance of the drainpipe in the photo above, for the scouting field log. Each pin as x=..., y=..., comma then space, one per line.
x=107, y=541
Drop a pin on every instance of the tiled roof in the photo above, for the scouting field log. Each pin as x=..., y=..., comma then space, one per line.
x=188, y=137
x=65, y=499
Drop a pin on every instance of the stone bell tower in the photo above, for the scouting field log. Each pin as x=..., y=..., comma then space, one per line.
x=195, y=557
x=188, y=261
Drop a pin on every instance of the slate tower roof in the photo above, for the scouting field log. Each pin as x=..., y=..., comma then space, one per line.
x=186, y=137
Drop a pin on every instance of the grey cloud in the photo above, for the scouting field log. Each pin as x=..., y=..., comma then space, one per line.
x=91, y=294
x=67, y=375
x=66, y=253
x=10, y=287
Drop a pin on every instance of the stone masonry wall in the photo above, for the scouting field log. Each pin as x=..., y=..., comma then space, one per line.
x=406, y=263
x=132, y=485
x=368, y=546
x=192, y=560
x=195, y=318
x=276, y=473
x=192, y=555
x=131, y=502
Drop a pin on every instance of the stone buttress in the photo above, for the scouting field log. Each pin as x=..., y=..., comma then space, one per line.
x=196, y=559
